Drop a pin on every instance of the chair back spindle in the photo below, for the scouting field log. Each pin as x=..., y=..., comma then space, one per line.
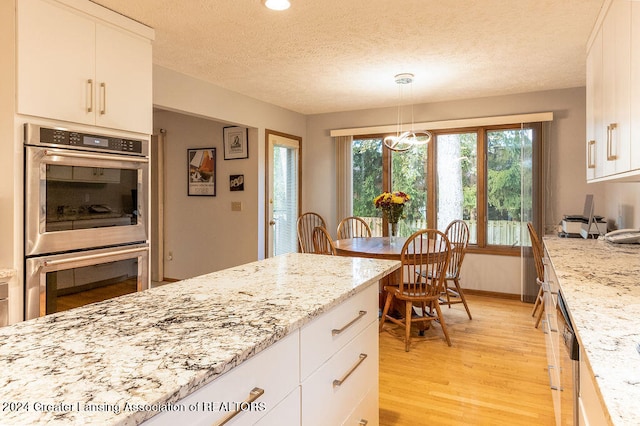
x=306, y=224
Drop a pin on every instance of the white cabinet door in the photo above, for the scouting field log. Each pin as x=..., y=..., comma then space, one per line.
x=72, y=68
x=595, y=139
x=56, y=60
x=124, y=84
x=635, y=85
x=616, y=45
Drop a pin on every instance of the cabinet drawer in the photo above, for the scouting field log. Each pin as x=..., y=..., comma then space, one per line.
x=286, y=413
x=366, y=412
x=324, y=402
x=275, y=370
x=318, y=340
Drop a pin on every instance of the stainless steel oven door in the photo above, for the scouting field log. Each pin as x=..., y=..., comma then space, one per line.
x=64, y=281
x=78, y=200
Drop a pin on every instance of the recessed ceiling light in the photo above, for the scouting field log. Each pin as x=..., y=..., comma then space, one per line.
x=277, y=4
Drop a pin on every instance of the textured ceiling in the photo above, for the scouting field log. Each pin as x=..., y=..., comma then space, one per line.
x=336, y=55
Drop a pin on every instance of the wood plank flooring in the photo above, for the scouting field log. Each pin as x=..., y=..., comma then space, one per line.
x=98, y=294
x=494, y=374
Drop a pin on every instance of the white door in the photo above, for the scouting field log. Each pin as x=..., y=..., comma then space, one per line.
x=283, y=192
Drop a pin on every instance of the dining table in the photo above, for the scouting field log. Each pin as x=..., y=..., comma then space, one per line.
x=389, y=248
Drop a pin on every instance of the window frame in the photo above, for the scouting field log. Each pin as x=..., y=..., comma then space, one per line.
x=481, y=245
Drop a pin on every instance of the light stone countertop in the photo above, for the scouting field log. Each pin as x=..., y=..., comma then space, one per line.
x=601, y=285
x=159, y=345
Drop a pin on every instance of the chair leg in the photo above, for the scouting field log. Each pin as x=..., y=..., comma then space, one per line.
x=537, y=304
x=407, y=329
x=540, y=313
x=387, y=304
x=442, y=324
x=464, y=301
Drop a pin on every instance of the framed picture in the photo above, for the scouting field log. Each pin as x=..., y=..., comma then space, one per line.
x=236, y=182
x=235, y=143
x=202, y=171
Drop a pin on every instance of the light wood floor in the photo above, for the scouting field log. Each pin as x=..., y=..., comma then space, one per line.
x=99, y=294
x=494, y=374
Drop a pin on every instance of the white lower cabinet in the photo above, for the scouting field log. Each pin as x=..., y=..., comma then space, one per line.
x=591, y=412
x=326, y=373
x=275, y=371
x=342, y=381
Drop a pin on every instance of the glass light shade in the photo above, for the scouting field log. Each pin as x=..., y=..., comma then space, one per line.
x=277, y=4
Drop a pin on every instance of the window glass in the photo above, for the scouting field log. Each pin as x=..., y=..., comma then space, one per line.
x=508, y=154
x=408, y=174
x=457, y=196
x=367, y=181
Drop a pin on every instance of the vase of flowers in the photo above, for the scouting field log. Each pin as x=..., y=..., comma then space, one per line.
x=392, y=206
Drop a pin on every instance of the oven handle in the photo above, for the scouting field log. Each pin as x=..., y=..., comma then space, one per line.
x=92, y=256
x=48, y=152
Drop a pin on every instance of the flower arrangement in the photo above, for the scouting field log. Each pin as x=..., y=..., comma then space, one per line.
x=392, y=205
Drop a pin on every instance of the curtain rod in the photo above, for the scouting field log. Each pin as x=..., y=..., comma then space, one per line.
x=449, y=124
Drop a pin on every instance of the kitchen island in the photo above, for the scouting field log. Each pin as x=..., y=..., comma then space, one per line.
x=127, y=359
x=600, y=283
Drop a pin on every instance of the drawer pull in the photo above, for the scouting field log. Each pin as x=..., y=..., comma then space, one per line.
x=363, y=422
x=253, y=395
x=335, y=331
x=553, y=387
x=340, y=381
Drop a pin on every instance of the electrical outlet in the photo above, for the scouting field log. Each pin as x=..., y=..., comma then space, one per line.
x=236, y=206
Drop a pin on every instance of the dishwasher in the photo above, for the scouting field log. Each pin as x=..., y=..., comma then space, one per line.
x=569, y=364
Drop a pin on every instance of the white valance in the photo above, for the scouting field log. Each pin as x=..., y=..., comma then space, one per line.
x=450, y=124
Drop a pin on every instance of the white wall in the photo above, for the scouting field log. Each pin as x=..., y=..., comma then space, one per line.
x=566, y=174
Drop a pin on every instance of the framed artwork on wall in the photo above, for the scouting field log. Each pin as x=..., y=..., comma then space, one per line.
x=235, y=143
x=202, y=171
x=236, y=182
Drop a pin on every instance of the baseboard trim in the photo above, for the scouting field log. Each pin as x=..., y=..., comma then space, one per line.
x=494, y=294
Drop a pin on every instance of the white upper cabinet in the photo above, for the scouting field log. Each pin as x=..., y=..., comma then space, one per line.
x=611, y=126
x=75, y=67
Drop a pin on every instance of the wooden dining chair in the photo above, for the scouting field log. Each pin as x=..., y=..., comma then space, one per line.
x=322, y=242
x=306, y=223
x=536, y=248
x=425, y=254
x=458, y=234
x=353, y=227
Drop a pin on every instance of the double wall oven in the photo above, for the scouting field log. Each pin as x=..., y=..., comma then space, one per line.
x=86, y=220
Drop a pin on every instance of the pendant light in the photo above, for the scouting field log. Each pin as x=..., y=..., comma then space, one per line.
x=404, y=141
x=277, y=4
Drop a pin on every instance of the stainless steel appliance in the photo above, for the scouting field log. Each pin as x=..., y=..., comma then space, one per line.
x=59, y=282
x=83, y=190
x=86, y=220
x=569, y=364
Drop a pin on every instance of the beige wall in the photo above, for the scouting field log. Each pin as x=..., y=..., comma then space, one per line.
x=202, y=233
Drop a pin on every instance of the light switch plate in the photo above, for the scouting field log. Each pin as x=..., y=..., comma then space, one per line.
x=236, y=206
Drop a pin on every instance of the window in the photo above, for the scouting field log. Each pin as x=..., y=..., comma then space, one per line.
x=482, y=175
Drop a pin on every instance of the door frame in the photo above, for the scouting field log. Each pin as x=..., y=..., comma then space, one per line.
x=267, y=201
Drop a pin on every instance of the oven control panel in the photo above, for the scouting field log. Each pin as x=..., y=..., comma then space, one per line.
x=38, y=135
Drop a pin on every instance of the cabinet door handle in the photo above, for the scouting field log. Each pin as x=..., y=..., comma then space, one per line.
x=341, y=380
x=551, y=385
x=610, y=128
x=90, y=95
x=253, y=395
x=363, y=422
x=591, y=163
x=103, y=96
x=336, y=331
